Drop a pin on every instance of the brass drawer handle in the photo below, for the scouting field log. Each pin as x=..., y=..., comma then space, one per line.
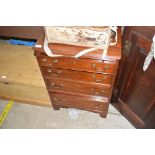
x=96, y=93
x=94, y=65
x=55, y=60
x=98, y=80
x=97, y=106
x=102, y=91
x=59, y=100
x=44, y=59
x=49, y=70
x=106, y=67
x=59, y=71
x=63, y=100
x=102, y=79
x=55, y=99
x=56, y=85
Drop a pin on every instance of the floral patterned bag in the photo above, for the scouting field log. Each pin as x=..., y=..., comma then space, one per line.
x=88, y=36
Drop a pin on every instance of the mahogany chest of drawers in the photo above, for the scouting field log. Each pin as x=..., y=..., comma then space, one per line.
x=83, y=83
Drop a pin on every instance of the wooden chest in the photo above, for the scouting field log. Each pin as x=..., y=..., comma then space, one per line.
x=20, y=76
x=83, y=83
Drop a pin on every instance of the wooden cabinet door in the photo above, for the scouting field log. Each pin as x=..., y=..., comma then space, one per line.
x=136, y=88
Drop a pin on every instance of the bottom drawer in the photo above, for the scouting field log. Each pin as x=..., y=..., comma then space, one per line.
x=90, y=103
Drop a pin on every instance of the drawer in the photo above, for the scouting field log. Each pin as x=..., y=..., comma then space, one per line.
x=59, y=84
x=49, y=72
x=78, y=64
x=91, y=103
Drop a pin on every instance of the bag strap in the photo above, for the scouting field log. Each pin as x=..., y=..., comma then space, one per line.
x=49, y=51
x=114, y=28
x=83, y=52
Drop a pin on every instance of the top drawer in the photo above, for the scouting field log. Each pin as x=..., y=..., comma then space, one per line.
x=79, y=64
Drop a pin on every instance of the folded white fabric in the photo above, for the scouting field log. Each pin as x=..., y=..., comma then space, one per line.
x=150, y=55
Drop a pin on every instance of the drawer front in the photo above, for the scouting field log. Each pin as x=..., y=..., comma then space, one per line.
x=76, y=101
x=58, y=84
x=76, y=75
x=78, y=64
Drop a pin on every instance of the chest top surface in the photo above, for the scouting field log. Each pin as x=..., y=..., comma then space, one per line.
x=114, y=52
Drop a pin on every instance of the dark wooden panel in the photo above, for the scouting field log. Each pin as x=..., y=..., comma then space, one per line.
x=27, y=32
x=132, y=116
x=149, y=123
x=140, y=89
x=136, y=88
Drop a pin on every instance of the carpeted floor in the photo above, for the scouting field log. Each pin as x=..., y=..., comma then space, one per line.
x=26, y=116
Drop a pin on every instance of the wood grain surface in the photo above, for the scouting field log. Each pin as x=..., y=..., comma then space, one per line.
x=23, y=81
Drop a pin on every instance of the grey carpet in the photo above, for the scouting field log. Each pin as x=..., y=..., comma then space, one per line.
x=24, y=116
